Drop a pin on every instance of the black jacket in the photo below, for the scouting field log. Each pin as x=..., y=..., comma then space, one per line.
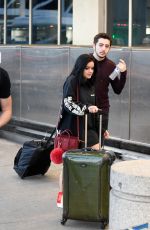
x=77, y=96
x=4, y=84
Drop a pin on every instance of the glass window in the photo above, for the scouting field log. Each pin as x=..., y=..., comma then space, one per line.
x=117, y=21
x=141, y=23
x=45, y=18
x=66, y=22
x=17, y=22
x=44, y=22
x=1, y=22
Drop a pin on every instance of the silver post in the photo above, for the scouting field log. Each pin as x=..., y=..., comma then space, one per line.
x=100, y=130
x=85, y=130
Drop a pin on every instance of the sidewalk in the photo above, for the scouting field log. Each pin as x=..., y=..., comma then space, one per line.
x=30, y=204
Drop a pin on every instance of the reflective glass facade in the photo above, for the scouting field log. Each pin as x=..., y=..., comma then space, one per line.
x=36, y=21
x=1, y=22
x=141, y=23
x=117, y=26
x=17, y=26
x=44, y=23
x=118, y=22
x=51, y=22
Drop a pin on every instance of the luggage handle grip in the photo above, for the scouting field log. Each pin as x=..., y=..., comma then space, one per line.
x=88, y=149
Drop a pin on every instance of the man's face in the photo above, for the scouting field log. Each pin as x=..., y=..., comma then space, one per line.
x=101, y=48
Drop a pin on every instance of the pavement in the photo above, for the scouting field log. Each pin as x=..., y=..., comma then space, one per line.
x=30, y=203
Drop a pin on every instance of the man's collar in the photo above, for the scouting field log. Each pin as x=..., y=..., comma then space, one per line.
x=98, y=58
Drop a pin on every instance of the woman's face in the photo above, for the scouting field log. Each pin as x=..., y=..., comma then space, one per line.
x=88, y=71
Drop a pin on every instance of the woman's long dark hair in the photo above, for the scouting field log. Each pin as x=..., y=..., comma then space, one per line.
x=80, y=65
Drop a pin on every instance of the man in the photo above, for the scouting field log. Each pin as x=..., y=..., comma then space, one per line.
x=5, y=98
x=107, y=72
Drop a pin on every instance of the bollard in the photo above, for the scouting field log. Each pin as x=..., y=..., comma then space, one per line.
x=130, y=194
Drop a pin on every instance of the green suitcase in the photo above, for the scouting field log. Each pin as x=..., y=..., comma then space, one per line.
x=86, y=185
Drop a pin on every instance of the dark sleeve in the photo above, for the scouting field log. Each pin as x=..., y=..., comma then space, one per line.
x=70, y=101
x=5, y=84
x=119, y=82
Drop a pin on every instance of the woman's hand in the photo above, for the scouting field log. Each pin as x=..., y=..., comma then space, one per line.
x=93, y=109
x=106, y=134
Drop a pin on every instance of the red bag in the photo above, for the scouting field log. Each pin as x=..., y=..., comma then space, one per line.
x=66, y=141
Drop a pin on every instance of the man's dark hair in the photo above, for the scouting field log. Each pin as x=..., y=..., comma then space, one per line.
x=102, y=35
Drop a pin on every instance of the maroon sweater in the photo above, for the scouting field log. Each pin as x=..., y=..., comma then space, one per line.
x=103, y=69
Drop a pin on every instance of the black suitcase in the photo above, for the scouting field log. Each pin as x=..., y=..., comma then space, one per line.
x=86, y=185
x=33, y=158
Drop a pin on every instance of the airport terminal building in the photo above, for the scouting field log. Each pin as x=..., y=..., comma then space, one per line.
x=74, y=22
x=40, y=40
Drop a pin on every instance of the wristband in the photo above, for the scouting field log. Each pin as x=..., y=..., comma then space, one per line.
x=115, y=73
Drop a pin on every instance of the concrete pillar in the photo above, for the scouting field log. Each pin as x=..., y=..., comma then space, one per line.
x=89, y=18
x=130, y=194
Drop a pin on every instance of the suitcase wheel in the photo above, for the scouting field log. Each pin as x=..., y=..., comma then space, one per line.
x=102, y=225
x=63, y=221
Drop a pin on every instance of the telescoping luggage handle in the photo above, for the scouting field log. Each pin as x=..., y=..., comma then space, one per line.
x=100, y=127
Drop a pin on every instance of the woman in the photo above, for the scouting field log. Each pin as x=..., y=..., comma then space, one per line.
x=78, y=99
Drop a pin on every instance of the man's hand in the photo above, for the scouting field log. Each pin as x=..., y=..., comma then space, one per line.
x=122, y=65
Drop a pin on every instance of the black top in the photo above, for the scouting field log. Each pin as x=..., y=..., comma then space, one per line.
x=4, y=84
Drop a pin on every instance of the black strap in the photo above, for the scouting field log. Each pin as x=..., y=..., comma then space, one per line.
x=77, y=115
x=50, y=137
